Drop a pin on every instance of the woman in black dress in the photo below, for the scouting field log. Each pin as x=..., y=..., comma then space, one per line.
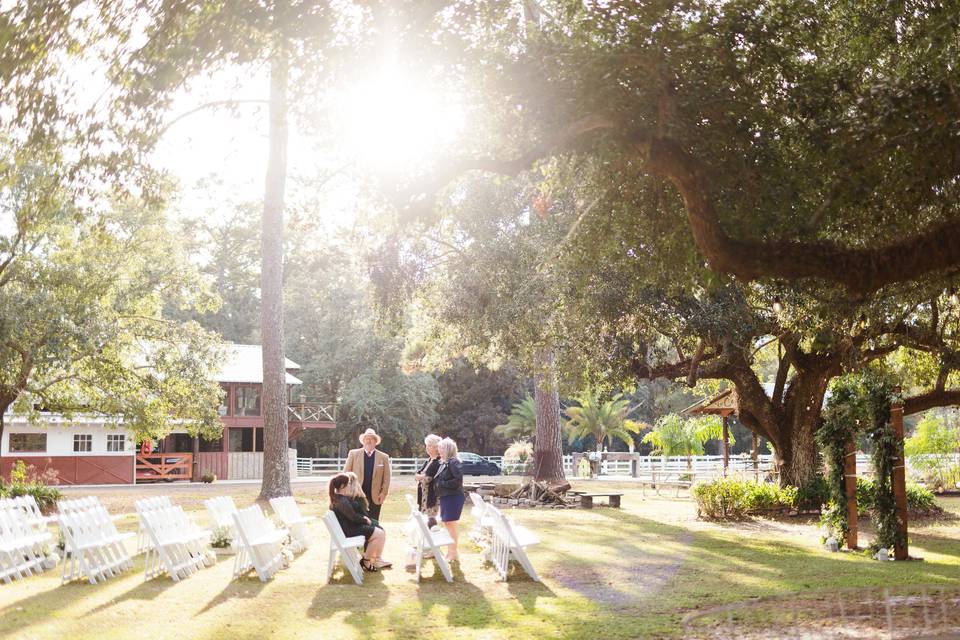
x=449, y=484
x=426, y=492
x=354, y=523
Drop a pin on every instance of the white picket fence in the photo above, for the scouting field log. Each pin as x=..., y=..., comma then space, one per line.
x=701, y=465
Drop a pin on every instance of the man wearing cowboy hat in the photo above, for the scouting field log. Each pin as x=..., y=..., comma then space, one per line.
x=373, y=468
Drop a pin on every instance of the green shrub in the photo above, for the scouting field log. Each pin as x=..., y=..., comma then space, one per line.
x=721, y=499
x=920, y=500
x=813, y=495
x=25, y=481
x=45, y=496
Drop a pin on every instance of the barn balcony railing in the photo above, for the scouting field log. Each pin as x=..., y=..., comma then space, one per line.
x=312, y=411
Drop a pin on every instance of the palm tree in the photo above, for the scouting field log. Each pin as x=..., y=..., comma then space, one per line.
x=522, y=424
x=674, y=435
x=603, y=419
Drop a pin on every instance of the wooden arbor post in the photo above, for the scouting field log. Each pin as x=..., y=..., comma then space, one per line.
x=850, y=489
x=754, y=453
x=900, y=551
x=726, y=445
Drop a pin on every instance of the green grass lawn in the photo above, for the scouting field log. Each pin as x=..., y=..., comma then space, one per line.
x=606, y=573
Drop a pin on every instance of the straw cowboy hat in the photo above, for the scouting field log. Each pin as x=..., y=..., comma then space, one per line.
x=369, y=432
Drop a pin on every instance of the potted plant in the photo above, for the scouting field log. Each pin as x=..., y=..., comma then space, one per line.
x=221, y=541
x=208, y=477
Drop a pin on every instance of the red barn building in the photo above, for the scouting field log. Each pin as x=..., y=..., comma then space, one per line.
x=98, y=450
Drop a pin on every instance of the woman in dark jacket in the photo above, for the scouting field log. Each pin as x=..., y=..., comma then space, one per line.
x=449, y=486
x=426, y=492
x=355, y=523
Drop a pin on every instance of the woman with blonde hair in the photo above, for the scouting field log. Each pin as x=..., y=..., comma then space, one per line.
x=359, y=498
x=449, y=485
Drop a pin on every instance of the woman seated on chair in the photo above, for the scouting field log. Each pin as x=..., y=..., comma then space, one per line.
x=359, y=499
x=355, y=523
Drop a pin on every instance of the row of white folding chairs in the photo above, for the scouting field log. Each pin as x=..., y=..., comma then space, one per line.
x=23, y=544
x=93, y=548
x=175, y=545
x=143, y=506
x=27, y=506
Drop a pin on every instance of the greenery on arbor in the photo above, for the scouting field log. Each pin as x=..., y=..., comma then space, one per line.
x=676, y=435
x=81, y=296
x=602, y=420
x=860, y=403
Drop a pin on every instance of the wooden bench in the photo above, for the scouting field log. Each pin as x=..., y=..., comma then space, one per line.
x=613, y=499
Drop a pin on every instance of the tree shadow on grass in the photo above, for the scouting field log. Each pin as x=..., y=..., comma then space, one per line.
x=144, y=592
x=525, y=591
x=467, y=604
x=244, y=588
x=360, y=600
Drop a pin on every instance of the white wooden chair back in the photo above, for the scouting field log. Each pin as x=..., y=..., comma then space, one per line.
x=221, y=510
x=260, y=544
x=510, y=540
x=428, y=540
x=143, y=506
x=289, y=513
x=347, y=549
x=176, y=546
x=22, y=548
x=93, y=548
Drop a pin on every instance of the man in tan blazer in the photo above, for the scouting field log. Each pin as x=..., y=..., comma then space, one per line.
x=372, y=468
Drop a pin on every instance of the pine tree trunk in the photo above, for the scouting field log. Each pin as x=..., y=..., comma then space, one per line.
x=276, y=470
x=547, y=446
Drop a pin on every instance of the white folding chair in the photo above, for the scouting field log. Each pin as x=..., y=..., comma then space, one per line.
x=482, y=521
x=289, y=513
x=426, y=540
x=221, y=510
x=260, y=545
x=93, y=548
x=348, y=549
x=510, y=540
x=22, y=549
x=175, y=546
x=143, y=506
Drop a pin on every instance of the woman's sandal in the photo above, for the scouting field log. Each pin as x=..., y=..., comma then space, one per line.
x=368, y=566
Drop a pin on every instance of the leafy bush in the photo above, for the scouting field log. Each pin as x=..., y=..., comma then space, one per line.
x=25, y=481
x=920, y=500
x=729, y=498
x=721, y=499
x=208, y=477
x=45, y=496
x=813, y=495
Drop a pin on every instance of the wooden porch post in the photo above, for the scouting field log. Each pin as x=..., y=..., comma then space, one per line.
x=850, y=489
x=900, y=551
x=726, y=445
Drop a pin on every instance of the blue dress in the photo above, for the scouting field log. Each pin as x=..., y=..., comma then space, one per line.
x=449, y=486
